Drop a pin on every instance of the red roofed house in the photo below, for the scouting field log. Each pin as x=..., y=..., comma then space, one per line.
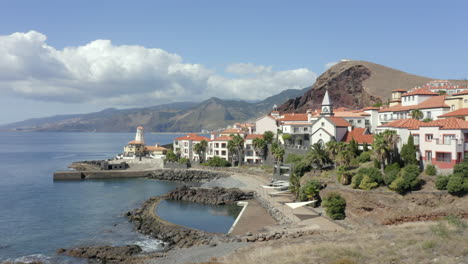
x=218, y=146
x=360, y=135
x=185, y=146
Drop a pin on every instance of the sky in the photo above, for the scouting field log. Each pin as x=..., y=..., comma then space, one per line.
x=63, y=57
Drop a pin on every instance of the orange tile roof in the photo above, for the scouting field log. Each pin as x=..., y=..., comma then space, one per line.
x=350, y=114
x=421, y=91
x=294, y=117
x=371, y=108
x=222, y=138
x=338, y=121
x=232, y=131
x=296, y=123
x=155, y=148
x=359, y=134
x=459, y=112
x=193, y=137
x=409, y=123
x=461, y=93
x=134, y=142
x=254, y=136
x=449, y=123
x=433, y=102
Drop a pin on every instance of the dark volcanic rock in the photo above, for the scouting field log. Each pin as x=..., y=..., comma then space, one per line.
x=104, y=254
x=181, y=175
x=217, y=196
x=345, y=87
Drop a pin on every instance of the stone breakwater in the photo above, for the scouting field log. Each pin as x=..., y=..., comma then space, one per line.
x=147, y=222
x=197, y=176
x=103, y=254
x=215, y=196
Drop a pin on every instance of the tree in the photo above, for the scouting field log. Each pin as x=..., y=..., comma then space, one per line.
x=278, y=154
x=381, y=151
x=268, y=136
x=259, y=146
x=417, y=114
x=407, y=180
x=332, y=149
x=171, y=156
x=391, y=138
x=310, y=190
x=442, y=92
x=318, y=156
x=365, y=147
x=200, y=149
x=408, y=152
x=286, y=138
x=353, y=146
x=217, y=162
x=295, y=184
x=236, y=145
x=335, y=206
x=344, y=157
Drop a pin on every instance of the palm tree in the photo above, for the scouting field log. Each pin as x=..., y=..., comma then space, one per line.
x=318, y=156
x=380, y=148
x=332, y=149
x=344, y=157
x=259, y=146
x=200, y=149
x=392, y=139
x=236, y=144
x=417, y=114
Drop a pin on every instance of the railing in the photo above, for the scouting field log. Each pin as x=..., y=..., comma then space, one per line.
x=454, y=141
x=296, y=147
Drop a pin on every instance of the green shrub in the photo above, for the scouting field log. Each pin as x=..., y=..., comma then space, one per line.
x=392, y=167
x=310, y=190
x=399, y=185
x=364, y=157
x=407, y=180
x=171, y=156
x=294, y=158
x=461, y=168
x=441, y=182
x=335, y=206
x=184, y=161
x=431, y=170
x=217, y=162
x=356, y=181
x=391, y=173
x=455, y=184
x=368, y=183
x=376, y=164
x=354, y=162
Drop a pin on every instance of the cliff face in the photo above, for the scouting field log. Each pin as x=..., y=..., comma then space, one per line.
x=354, y=84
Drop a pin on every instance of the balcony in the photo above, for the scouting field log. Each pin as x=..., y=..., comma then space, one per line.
x=439, y=141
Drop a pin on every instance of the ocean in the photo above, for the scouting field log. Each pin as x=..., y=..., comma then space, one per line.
x=40, y=215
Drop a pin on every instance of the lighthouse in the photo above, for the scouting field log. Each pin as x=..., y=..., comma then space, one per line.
x=140, y=136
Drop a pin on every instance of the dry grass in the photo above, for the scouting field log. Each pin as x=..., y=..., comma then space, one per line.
x=442, y=242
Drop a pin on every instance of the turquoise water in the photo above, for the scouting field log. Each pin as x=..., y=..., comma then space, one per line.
x=39, y=215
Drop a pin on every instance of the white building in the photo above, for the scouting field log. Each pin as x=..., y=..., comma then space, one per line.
x=250, y=155
x=185, y=146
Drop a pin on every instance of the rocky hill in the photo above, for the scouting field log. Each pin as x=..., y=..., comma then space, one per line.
x=355, y=84
x=175, y=117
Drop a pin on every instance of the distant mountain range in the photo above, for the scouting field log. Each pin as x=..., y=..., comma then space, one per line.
x=210, y=114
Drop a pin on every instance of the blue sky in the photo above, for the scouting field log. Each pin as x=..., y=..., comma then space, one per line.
x=59, y=61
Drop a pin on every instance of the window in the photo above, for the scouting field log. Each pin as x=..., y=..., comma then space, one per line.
x=429, y=137
x=428, y=114
x=385, y=117
x=416, y=139
x=453, y=107
x=223, y=153
x=448, y=139
x=223, y=145
x=429, y=155
x=186, y=144
x=366, y=122
x=443, y=157
x=359, y=121
x=296, y=130
x=216, y=145
x=305, y=129
x=350, y=121
x=466, y=137
x=323, y=123
x=216, y=152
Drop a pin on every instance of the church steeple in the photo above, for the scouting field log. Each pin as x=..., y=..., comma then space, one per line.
x=327, y=106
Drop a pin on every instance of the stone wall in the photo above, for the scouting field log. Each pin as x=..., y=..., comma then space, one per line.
x=216, y=196
x=175, y=165
x=279, y=217
x=180, y=175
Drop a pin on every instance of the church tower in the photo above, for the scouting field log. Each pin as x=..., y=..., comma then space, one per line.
x=327, y=106
x=140, y=137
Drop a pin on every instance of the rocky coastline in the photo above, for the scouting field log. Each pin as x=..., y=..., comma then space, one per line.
x=186, y=175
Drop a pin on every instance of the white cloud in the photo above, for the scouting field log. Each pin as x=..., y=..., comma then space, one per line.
x=100, y=72
x=330, y=64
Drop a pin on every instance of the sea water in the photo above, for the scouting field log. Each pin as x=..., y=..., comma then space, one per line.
x=39, y=215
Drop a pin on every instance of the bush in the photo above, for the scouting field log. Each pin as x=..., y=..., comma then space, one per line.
x=461, y=168
x=217, y=162
x=354, y=162
x=441, y=182
x=310, y=190
x=391, y=173
x=376, y=164
x=364, y=157
x=184, y=161
x=335, y=206
x=356, y=181
x=374, y=178
x=455, y=184
x=171, y=156
x=407, y=180
x=368, y=183
x=431, y=170
x=294, y=158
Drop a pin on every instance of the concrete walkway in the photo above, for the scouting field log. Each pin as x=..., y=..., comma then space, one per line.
x=255, y=219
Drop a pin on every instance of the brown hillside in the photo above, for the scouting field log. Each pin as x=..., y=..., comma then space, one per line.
x=355, y=84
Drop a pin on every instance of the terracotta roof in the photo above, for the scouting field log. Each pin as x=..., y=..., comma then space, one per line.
x=341, y=109
x=294, y=117
x=461, y=93
x=399, y=90
x=254, y=136
x=360, y=135
x=449, y=123
x=459, y=112
x=338, y=121
x=222, y=138
x=371, y=108
x=134, y=142
x=155, y=148
x=350, y=114
x=433, y=102
x=421, y=91
x=193, y=137
x=409, y=123
x=296, y=123
x=232, y=131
